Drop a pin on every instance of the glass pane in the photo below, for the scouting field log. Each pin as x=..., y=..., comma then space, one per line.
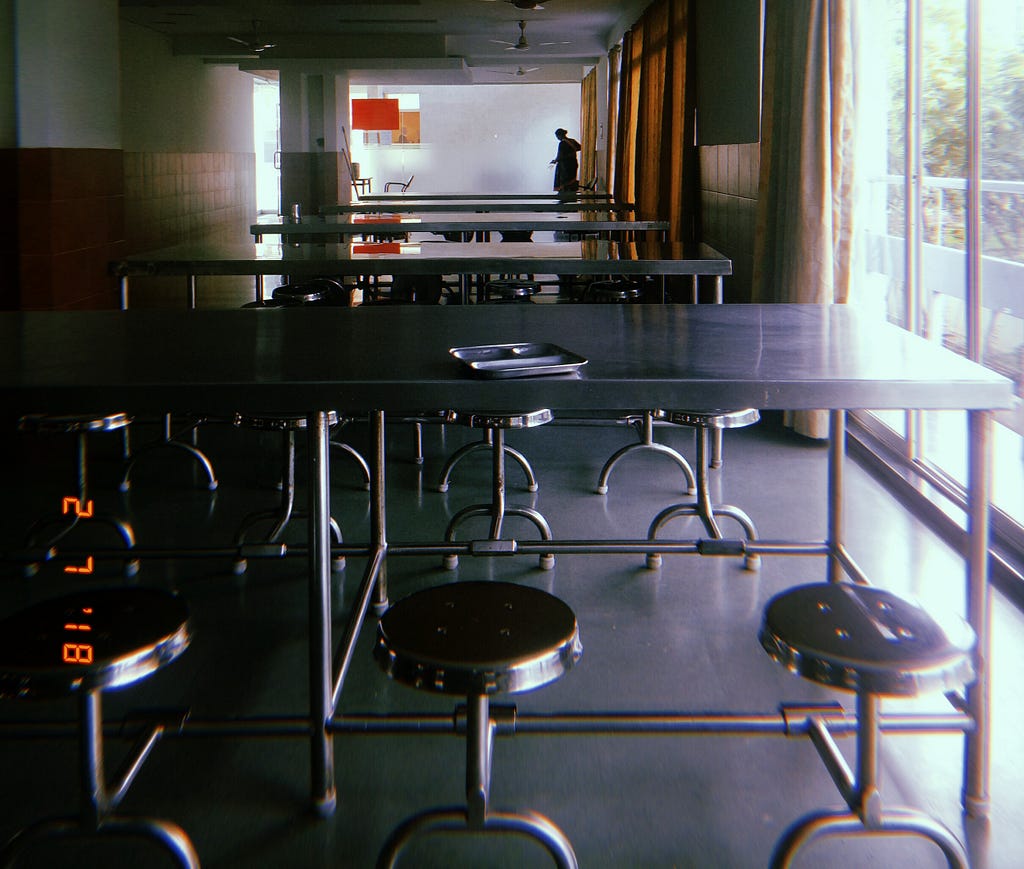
x=1002, y=215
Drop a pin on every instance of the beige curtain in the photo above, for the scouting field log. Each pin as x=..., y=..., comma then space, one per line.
x=804, y=238
x=588, y=128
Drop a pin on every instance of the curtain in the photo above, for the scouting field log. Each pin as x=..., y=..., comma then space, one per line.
x=803, y=249
x=625, y=136
x=614, y=61
x=588, y=128
x=656, y=165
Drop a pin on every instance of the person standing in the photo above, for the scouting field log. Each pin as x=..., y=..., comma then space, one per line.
x=566, y=164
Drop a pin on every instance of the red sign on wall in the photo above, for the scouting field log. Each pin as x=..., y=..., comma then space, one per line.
x=375, y=114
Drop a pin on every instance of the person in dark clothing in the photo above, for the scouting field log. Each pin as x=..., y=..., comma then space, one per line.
x=566, y=164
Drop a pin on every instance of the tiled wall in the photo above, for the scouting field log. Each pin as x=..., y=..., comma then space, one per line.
x=728, y=183
x=69, y=207
x=175, y=197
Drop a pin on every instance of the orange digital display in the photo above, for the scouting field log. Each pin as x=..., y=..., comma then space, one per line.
x=77, y=653
x=70, y=504
x=85, y=568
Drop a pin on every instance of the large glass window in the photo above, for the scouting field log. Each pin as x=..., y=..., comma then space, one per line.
x=916, y=140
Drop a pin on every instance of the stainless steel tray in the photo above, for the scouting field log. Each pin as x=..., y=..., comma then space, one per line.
x=518, y=360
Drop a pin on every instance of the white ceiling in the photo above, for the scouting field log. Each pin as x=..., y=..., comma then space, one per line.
x=434, y=41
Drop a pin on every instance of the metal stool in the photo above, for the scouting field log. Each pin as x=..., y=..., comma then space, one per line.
x=79, y=507
x=494, y=426
x=869, y=641
x=511, y=290
x=288, y=425
x=703, y=422
x=322, y=292
x=172, y=441
x=615, y=292
x=478, y=639
x=645, y=424
x=83, y=644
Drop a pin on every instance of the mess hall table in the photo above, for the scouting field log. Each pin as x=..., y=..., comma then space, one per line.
x=310, y=361
x=468, y=226
x=580, y=195
x=469, y=205
x=310, y=260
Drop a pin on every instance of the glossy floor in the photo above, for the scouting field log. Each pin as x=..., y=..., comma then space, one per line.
x=681, y=638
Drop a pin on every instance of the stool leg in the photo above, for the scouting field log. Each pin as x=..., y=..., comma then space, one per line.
x=359, y=460
x=479, y=754
x=647, y=442
x=866, y=816
x=169, y=441
x=705, y=511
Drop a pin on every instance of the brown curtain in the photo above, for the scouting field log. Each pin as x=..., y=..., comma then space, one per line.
x=655, y=154
x=804, y=238
x=588, y=128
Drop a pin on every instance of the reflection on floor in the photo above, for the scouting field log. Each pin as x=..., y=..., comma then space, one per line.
x=683, y=637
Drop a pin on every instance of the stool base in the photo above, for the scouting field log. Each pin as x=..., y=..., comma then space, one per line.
x=647, y=443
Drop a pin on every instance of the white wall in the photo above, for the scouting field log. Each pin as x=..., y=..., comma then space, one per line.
x=67, y=81
x=493, y=138
x=172, y=103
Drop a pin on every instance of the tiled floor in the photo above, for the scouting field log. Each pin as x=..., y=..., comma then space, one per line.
x=682, y=638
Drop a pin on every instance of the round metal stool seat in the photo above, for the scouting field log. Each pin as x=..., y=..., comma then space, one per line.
x=278, y=421
x=872, y=642
x=494, y=426
x=43, y=423
x=316, y=291
x=511, y=290
x=711, y=419
x=613, y=292
x=517, y=419
x=80, y=645
x=478, y=639
x=862, y=638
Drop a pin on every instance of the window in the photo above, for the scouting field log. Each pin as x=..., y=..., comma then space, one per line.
x=915, y=144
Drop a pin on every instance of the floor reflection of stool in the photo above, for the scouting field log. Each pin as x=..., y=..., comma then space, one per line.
x=511, y=290
x=288, y=425
x=708, y=513
x=869, y=641
x=478, y=639
x=647, y=443
x=79, y=507
x=494, y=426
x=83, y=644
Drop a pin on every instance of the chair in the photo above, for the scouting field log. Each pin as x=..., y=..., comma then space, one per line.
x=81, y=645
x=401, y=185
x=478, y=639
x=320, y=292
x=616, y=292
x=869, y=641
x=75, y=503
x=494, y=427
x=709, y=513
x=288, y=425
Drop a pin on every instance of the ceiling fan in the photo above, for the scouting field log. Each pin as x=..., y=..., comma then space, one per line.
x=519, y=71
x=255, y=45
x=521, y=44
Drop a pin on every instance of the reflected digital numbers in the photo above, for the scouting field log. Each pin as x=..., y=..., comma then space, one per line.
x=74, y=651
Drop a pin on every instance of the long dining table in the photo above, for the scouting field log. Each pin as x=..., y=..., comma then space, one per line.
x=335, y=227
x=473, y=205
x=310, y=259
x=380, y=362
